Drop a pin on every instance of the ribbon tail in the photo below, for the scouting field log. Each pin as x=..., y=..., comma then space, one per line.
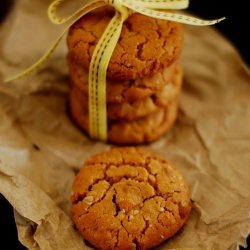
x=97, y=77
x=171, y=16
x=46, y=56
x=162, y=4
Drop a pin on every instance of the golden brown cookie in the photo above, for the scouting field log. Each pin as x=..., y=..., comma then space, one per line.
x=126, y=91
x=146, y=129
x=138, y=109
x=146, y=45
x=129, y=198
x=142, y=130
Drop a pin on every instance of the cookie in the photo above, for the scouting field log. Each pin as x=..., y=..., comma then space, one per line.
x=126, y=91
x=133, y=110
x=129, y=198
x=142, y=130
x=146, y=45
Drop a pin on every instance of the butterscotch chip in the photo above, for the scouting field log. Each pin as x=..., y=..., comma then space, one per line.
x=146, y=45
x=133, y=110
x=128, y=211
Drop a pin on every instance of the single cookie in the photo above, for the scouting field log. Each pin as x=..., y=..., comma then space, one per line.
x=126, y=91
x=146, y=45
x=133, y=110
x=142, y=130
x=146, y=129
x=129, y=198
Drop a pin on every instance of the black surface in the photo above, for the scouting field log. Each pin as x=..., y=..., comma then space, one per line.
x=235, y=28
x=8, y=231
x=5, y=5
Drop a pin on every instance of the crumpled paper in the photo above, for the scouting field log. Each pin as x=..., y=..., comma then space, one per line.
x=41, y=149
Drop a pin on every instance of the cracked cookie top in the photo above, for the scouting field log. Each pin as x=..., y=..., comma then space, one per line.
x=146, y=45
x=129, y=198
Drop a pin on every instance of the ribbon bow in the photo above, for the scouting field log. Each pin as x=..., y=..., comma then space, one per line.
x=106, y=45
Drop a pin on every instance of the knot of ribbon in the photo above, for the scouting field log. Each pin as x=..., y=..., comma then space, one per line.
x=106, y=45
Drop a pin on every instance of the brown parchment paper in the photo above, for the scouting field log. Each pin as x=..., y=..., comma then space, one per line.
x=41, y=149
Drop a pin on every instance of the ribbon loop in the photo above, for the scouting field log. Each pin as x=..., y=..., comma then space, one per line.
x=163, y=4
x=84, y=10
x=55, y=5
x=180, y=18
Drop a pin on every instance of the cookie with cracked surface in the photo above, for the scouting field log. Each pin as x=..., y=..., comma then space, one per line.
x=122, y=132
x=126, y=91
x=129, y=198
x=146, y=45
x=146, y=129
x=133, y=110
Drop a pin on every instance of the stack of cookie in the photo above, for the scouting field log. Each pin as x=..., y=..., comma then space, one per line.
x=143, y=79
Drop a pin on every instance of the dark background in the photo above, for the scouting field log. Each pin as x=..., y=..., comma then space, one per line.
x=236, y=28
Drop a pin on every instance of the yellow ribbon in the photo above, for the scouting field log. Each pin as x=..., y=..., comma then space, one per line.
x=106, y=45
